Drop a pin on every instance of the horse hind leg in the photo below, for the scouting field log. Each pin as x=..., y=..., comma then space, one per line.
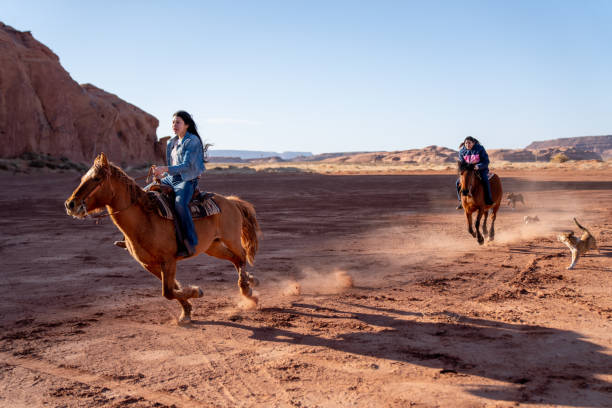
x=246, y=281
x=493, y=218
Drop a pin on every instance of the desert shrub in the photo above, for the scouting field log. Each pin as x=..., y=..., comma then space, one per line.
x=559, y=158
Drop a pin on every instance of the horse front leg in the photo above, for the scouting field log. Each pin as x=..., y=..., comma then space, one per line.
x=479, y=236
x=468, y=215
x=171, y=289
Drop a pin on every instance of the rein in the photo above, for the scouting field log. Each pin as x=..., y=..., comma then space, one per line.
x=98, y=216
x=148, y=178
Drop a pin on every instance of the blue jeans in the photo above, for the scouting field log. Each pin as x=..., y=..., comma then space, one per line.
x=484, y=175
x=183, y=191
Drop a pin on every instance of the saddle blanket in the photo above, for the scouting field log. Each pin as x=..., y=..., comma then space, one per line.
x=200, y=207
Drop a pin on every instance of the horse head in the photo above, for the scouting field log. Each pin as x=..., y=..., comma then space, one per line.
x=466, y=177
x=94, y=191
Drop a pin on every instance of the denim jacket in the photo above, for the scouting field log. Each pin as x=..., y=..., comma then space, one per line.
x=476, y=155
x=190, y=157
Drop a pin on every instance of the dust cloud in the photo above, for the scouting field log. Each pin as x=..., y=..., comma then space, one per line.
x=319, y=283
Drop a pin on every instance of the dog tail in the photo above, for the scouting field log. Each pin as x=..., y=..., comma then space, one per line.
x=581, y=227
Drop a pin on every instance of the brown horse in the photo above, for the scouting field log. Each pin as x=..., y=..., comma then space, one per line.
x=472, y=199
x=151, y=239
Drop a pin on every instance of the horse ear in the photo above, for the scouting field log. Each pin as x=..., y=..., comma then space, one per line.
x=102, y=160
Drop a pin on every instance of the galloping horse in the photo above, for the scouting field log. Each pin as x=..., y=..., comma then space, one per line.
x=472, y=199
x=151, y=240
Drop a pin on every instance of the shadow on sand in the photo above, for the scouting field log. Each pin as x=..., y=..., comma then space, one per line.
x=539, y=364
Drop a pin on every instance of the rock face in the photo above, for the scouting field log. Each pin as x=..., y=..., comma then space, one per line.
x=518, y=155
x=544, y=154
x=436, y=155
x=427, y=155
x=43, y=110
x=597, y=144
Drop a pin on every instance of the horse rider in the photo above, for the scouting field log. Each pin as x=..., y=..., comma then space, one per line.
x=472, y=152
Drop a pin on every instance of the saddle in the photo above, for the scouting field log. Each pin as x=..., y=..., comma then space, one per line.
x=201, y=205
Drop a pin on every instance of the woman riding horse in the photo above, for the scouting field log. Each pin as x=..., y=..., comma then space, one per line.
x=185, y=158
x=231, y=235
x=472, y=152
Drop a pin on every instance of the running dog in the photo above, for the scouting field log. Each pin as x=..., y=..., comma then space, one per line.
x=513, y=198
x=578, y=246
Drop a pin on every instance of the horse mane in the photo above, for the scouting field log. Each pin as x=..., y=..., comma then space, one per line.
x=462, y=166
x=137, y=194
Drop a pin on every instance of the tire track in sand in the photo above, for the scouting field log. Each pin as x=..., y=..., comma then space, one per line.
x=102, y=381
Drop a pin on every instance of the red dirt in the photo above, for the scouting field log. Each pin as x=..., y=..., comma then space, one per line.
x=432, y=319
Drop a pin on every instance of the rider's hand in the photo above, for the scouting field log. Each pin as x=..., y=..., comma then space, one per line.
x=159, y=171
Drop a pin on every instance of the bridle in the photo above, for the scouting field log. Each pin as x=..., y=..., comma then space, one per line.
x=98, y=216
x=469, y=182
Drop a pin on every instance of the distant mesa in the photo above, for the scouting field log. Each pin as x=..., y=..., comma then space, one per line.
x=427, y=155
x=254, y=154
x=598, y=144
x=430, y=155
x=542, y=155
x=43, y=110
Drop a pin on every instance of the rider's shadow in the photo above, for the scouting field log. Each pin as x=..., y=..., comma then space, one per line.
x=539, y=364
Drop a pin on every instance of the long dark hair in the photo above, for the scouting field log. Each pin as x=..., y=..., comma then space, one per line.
x=471, y=139
x=193, y=129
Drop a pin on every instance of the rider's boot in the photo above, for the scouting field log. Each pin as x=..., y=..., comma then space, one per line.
x=487, y=191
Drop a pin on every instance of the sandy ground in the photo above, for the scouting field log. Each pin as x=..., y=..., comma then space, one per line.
x=431, y=318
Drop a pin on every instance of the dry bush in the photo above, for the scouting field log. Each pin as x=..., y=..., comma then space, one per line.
x=559, y=158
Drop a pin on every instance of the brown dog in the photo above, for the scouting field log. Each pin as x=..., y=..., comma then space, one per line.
x=578, y=246
x=513, y=198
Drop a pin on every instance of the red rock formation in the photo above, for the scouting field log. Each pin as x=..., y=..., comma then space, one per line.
x=43, y=110
x=426, y=155
x=518, y=155
x=597, y=144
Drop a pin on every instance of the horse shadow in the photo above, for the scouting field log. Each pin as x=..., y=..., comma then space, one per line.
x=536, y=363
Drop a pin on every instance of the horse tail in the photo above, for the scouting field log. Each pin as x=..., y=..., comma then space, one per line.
x=249, y=234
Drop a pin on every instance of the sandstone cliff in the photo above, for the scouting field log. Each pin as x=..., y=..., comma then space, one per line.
x=43, y=110
x=426, y=155
x=597, y=144
x=542, y=154
x=441, y=155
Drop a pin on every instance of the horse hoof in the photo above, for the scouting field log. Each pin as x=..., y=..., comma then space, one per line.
x=249, y=302
x=200, y=292
x=184, y=321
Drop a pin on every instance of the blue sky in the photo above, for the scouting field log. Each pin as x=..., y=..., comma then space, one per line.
x=329, y=76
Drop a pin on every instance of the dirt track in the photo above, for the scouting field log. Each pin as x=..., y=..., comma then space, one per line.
x=432, y=320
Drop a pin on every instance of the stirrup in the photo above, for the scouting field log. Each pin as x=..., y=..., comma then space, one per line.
x=120, y=244
x=459, y=207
